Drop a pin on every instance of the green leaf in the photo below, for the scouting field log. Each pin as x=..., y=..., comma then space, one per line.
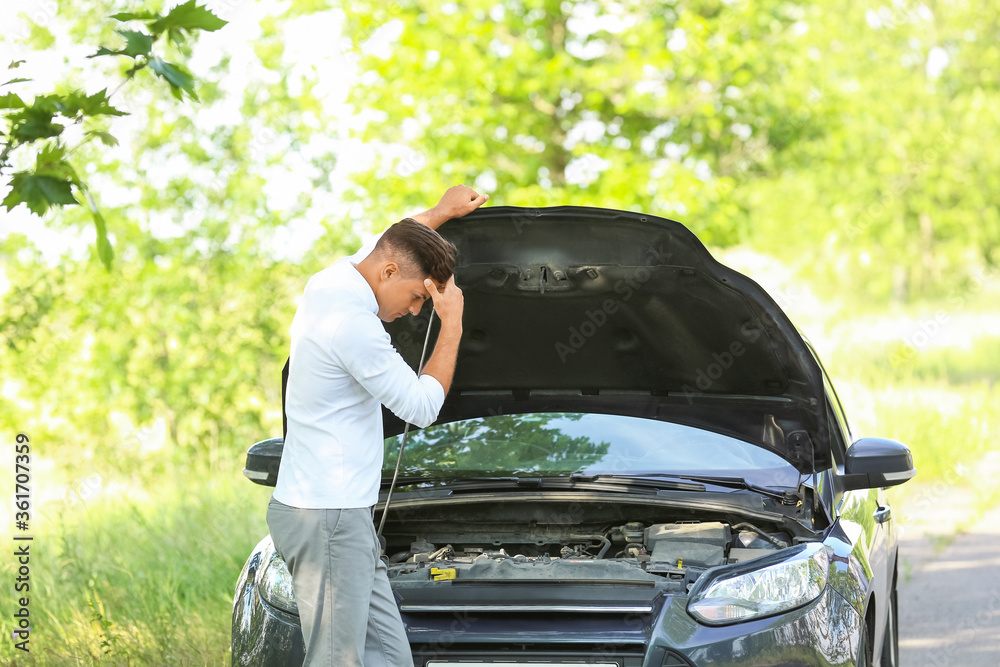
x=106, y=138
x=78, y=102
x=135, y=16
x=188, y=16
x=34, y=122
x=11, y=101
x=176, y=36
x=51, y=161
x=14, y=64
x=104, y=249
x=38, y=192
x=178, y=77
x=14, y=81
x=136, y=43
x=105, y=51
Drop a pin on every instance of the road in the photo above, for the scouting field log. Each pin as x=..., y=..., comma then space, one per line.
x=949, y=586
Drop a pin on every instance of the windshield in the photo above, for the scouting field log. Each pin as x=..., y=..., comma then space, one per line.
x=546, y=444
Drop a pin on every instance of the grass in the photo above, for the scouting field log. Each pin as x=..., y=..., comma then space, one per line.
x=140, y=569
x=119, y=581
x=942, y=401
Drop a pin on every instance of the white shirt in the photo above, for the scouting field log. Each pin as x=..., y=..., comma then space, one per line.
x=342, y=369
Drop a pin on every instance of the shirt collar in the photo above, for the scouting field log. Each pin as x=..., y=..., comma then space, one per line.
x=363, y=287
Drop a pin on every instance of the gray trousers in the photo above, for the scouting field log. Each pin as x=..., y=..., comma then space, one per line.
x=348, y=613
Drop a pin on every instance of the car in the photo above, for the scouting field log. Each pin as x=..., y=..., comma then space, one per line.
x=641, y=462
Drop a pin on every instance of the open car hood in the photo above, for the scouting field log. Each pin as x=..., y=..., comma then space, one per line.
x=574, y=308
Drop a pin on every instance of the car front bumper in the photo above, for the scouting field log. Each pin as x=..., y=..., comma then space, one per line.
x=823, y=633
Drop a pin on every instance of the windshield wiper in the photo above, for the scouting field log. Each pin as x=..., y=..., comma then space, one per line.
x=406, y=480
x=664, y=481
x=641, y=480
x=730, y=482
x=551, y=482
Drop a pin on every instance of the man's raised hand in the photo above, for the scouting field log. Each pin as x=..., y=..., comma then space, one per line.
x=448, y=302
x=458, y=200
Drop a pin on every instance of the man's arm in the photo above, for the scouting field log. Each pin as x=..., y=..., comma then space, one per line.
x=449, y=305
x=363, y=348
x=457, y=201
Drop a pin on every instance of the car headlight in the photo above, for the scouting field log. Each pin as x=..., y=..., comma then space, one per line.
x=732, y=595
x=274, y=582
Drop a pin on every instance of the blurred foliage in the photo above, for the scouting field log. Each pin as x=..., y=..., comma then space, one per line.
x=40, y=125
x=191, y=325
x=129, y=578
x=851, y=140
x=196, y=341
x=821, y=133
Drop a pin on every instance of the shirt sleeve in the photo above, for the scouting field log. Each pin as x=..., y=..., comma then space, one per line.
x=363, y=347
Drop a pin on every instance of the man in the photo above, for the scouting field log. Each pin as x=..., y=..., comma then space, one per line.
x=341, y=368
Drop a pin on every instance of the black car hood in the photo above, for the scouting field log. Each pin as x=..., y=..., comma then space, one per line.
x=574, y=308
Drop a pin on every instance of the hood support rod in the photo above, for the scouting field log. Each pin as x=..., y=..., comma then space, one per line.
x=402, y=443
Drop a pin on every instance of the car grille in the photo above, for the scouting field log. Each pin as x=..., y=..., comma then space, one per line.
x=603, y=656
x=430, y=655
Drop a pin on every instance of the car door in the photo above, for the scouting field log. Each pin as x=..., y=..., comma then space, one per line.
x=866, y=513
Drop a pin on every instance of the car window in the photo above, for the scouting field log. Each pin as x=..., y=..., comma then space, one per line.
x=564, y=443
x=845, y=439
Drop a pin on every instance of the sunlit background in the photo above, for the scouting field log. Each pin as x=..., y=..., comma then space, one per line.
x=841, y=153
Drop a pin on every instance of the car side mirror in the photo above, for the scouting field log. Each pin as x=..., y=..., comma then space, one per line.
x=263, y=461
x=877, y=462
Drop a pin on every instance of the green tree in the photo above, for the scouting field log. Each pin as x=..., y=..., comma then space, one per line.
x=40, y=126
x=796, y=127
x=901, y=199
x=191, y=326
x=664, y=107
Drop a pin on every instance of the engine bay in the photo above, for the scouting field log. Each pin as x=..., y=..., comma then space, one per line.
x=670, y=554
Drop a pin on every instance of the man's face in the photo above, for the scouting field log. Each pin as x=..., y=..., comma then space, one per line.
x=400, y=295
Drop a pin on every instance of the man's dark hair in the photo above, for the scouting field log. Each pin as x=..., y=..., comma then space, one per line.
x=426, y=251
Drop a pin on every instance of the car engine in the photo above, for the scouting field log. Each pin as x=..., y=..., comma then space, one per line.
x=670, y=555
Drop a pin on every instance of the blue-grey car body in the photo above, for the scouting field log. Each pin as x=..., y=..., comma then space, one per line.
x=634, y=376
